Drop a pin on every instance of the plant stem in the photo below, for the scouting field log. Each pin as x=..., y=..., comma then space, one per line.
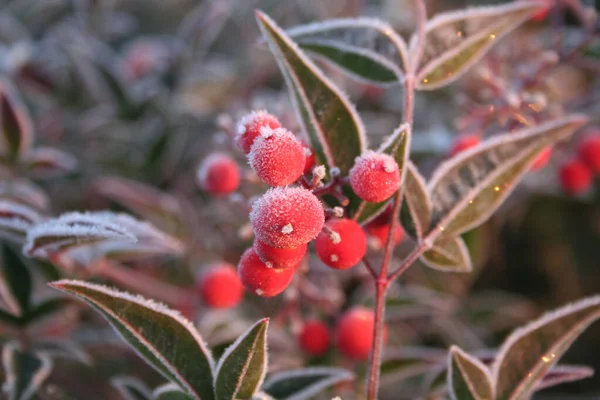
x=383, y=281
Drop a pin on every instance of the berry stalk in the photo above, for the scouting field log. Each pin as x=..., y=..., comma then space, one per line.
x=383, y=281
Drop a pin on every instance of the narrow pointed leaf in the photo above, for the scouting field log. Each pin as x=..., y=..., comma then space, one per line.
x=47, y=162
x=16, y=127
x=26, y=193
x=415, y=214
x=454, y=41
x=63, y=349
x=468, y=188
x=25, y=372
x=161, y=336
x=15, y=280
x=303, y=384
x=131, y=388
x=409, y=362
x=530, y=352
x=397, y=145
x=367, y=48
x=16, y=219
x=336, y=131
x=170, y=391
x=242, y=368
x=72, y=229
x=563, y=374
x=468, y=378
x=448, y=254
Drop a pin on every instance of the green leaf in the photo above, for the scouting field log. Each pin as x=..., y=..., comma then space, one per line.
x=170, y=391
x=468, y=188
x=397, y=145
x=242, y=368
x=25, y=372
x=16, y=127
x=408, y=362
x=302, y=384
x=415, y=214
x=530, y=352
x=15, y=281
x=448, y=254
x=161, y=336
x=335, y=130
x=468, y=378
x=368, y=49
x=132, y=388
x=456, y=40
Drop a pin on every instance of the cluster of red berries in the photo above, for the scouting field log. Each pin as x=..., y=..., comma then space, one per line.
x=353, y=335
x=576, y=176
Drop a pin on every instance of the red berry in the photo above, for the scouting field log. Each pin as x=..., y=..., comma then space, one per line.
x=220, y=286
x=309, y=160
x=575, y=177
x=380, y=233
x=280, y=258
x=249, y=128
x=277, y=157
x=354, y=332
x=342, y=244
x=219, y=175
x=314, y=338
x=375, y=177
x=287, y=217
x=542, y=159
x=260, y=279
x=589, y=152
x=463, y=143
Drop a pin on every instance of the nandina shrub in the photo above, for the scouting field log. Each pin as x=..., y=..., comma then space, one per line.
x=341, y=226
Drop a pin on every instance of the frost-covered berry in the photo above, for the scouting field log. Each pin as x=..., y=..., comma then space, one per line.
x=218, y=175
x=287, y=217
x=463, y=143
x=379, y=234
x=309, y=159
x=220, y=287
x=589, y=152
x=575, y=177
x=260, y=279
x=342, y=244
x=280, y=258
x=375, y=177
x=542, y=159
x=249, y=127
x=354, y=333
x=277, y=157
x=314, y=339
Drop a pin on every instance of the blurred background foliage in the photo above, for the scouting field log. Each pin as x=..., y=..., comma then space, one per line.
x=144, y=89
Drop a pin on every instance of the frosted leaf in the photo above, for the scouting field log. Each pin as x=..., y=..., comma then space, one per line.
x=367, y=48
x=16, y=219
x=47, y=162
x=25, y=192
x=242, y=368
x=529, y=353
x=16, y=129
x=25, y=372
x=151, y=241
x=455, y=40
x=144, y=325
x=131, y=388
x=468, y=378
x=305, y=383
x=336, y=132
x=72, y=229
